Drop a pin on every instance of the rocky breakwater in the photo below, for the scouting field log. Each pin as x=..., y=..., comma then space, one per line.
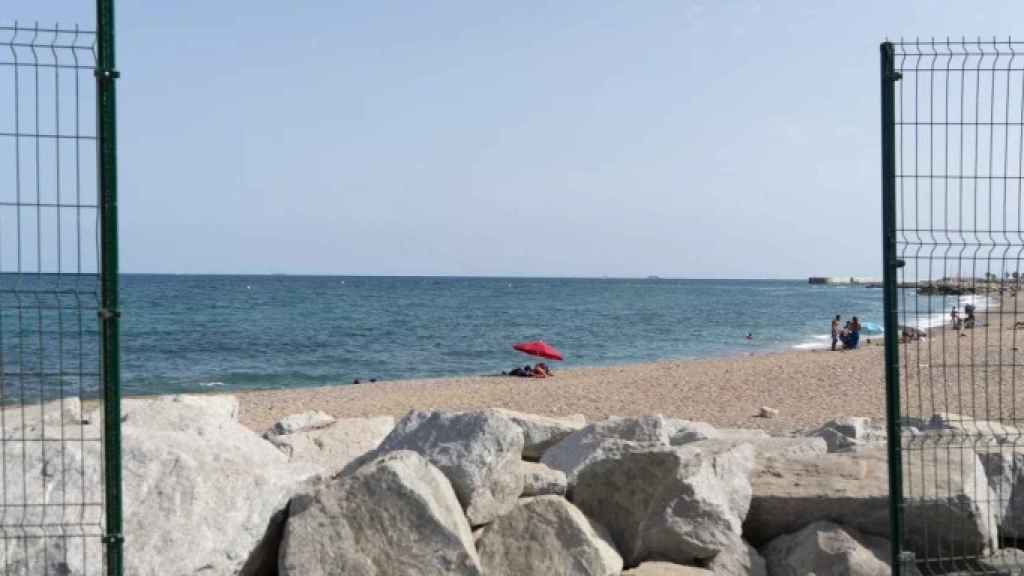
x=501, y=493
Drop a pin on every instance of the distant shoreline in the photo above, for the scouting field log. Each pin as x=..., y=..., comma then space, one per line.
x=463, y=276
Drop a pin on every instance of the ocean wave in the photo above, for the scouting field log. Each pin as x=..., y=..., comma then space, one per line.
x=922, y=321
x=818, y=341
x=925, y=321
x=211, y=384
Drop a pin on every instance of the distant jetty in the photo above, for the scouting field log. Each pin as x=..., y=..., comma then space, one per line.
x=843, y=280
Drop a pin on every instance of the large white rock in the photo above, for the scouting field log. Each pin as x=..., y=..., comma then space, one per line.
x=1005, y=561
x=1004, y=467
x=681, y=504
x=547, y=535
x=214, y=488
x=935, y=494
x=959, y=425
x=852, y=489
x=332, y=448
x=308, y=420
x=598, y=439
x=395, y=516
x=666, y=569
x=61, y=482
x=203, y=494
x=479, y=452
x=788, y=447
x=827, y=548
x=543, y=432
x=539, y=480
x=848, y=433
x=740, y=559
x=46, y=419
x=685, y=431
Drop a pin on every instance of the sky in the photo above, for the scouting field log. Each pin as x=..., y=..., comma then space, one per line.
x=682, y=138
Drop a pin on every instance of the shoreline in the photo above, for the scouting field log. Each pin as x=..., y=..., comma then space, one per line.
x=806, y=386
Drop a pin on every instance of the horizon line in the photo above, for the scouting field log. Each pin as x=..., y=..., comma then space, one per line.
x=653, y=277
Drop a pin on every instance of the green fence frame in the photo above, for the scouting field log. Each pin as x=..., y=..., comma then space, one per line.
x=889, y=287
x=60, y=421
x=952, y=243
x=110, y=313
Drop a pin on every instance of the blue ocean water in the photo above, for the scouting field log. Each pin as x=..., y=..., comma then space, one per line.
x=192, y=333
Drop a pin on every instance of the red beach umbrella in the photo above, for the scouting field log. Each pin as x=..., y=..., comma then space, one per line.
x=539, y=348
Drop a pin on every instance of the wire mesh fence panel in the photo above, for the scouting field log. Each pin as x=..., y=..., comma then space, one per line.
x=51, y=448
x=953, y=168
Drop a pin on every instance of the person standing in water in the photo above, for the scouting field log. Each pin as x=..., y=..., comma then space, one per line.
x=835, y=332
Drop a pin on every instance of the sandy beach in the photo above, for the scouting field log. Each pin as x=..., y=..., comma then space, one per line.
x=971, y=372
x=806, y=387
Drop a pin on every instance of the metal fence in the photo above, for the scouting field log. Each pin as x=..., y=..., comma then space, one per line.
x=59, y=423
x=953, y=220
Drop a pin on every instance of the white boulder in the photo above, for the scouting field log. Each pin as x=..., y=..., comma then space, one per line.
x=1004, y=467
x=479, y=452
x=827, y=548
x=740, y=559
x=547, y=535
x=960, y=426
x=542, y=432
x=666, y=569
x=598, y=439
x=202, y=493
x=309, y=420
x=395, y=516
x=848, y=433
x=685, y=431
x=852, y=489
x=333, y=447
x=682, y=504
x=539, y=480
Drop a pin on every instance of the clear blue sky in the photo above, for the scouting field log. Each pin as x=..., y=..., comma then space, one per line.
x=683, y=138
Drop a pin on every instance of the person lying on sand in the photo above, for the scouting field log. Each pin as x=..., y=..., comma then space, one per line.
x=541, y=370
x=524, y=372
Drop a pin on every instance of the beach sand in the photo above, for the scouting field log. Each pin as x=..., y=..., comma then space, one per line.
x=973, y=373
x=806, y=387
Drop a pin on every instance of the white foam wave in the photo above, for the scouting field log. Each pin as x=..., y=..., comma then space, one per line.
x=923, y=321
x=818, y=341
x=212, y=384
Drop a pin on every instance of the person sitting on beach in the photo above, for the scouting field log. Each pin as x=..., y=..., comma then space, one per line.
x=835, y=332
x=852, y=334
x=545, y=368
x=970, y=320
x=538, y=372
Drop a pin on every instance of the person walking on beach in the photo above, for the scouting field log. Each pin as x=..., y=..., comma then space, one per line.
x=835, y=332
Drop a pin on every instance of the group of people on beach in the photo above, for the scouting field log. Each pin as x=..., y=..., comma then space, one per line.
x=848, y=335
x=541, y=370
x=967, y=322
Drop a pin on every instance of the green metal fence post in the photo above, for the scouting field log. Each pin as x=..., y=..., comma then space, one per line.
x=890, y=264
x=106, y=74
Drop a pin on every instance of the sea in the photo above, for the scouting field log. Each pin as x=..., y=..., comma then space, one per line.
x=188, y=333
